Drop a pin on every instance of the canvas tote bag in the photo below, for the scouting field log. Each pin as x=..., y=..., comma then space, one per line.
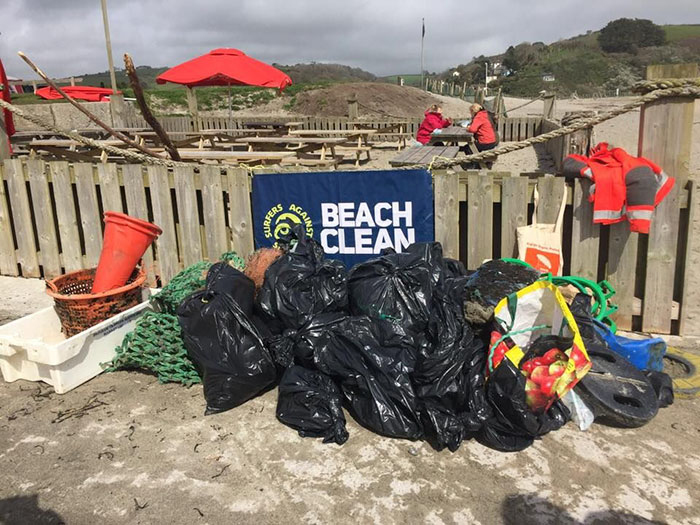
x=539, y=245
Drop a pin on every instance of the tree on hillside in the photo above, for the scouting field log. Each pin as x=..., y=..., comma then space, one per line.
x=626, y=35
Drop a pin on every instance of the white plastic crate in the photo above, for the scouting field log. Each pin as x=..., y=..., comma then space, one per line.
x=35, y=349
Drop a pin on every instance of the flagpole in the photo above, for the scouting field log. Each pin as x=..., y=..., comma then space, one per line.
x=422, y=37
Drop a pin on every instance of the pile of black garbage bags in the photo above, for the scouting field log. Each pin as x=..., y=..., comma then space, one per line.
x=387, y=341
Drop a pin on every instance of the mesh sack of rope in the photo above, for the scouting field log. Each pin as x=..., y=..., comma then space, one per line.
x=156, y=345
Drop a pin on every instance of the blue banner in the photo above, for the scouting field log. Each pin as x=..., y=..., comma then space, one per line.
x=353, y=214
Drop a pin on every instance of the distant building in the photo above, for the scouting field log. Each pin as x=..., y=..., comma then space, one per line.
x=548, y=77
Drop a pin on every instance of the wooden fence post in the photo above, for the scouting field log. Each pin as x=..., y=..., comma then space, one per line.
x=665, y=133
x=446, y=191
x=353, y=108
x=548, y=111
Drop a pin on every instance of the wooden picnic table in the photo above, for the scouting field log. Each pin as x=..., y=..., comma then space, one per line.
x=423, y=155
x=72, y=149
x=264, y=157
x=275, y=124
x=303, y=144
x=452, y=134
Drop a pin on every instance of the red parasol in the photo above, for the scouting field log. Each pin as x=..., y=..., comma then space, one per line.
x=88, y=93
x=5, y=95
x=225, y=67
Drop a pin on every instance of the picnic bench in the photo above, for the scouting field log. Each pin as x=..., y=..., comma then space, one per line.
x=72, y=149
x=455, y=135
x=244, y=157
x=423, y=155
x=395, y=130
x=357, y=139
x=297, y=144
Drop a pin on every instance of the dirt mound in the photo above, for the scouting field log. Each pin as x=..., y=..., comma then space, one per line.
x=375, y=100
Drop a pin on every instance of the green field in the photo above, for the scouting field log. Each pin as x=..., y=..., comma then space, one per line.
x=679, y=32
x=409, y=80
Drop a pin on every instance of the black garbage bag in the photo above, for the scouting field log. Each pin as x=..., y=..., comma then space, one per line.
x=372, y=361
x=513, y=426
x=302, y=283
x=490, y=283
x=397, y=287
x=225, y=340
x=451, y=409
x=310, y=402
x=297, y=346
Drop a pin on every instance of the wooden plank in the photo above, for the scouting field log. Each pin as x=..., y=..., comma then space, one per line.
x=479, y=219
x=43, y=214
x=585, y=235
x=109, y=187
x=8, y=260
x=166, y=244
x=240, y=212
x=622, y=268
x=22, y=217
x=188, y=214
x=446, y=204
x=513, y=213
x=71, y=252
x=90, y=219
x=551, y=191
x=665, y=137
x=690, y=300
x=214, y=212
x=132, y=175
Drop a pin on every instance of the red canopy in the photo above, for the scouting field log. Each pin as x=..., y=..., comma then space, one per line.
x=223, y=67
x=88, y=93
x=5, y=95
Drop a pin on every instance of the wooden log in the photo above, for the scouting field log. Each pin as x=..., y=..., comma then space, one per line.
x=90, y=220
x=22, y=218
x=109, y=187
x=446, y=201
x=213, y=211
x=665, y=137
x=166, y=245
x=4, y=140
x=479, y=219
x=68, y=230
x=549, y=106
x=585, y=235
x=188, y=215
x=513, y=213
x=44, y=216
x=240, y=212
x=134, y=188
x=8, y=260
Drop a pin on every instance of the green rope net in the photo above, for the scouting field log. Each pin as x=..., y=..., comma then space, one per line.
x=156, y=344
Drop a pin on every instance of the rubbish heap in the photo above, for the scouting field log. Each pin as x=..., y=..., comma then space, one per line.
x=411, y=345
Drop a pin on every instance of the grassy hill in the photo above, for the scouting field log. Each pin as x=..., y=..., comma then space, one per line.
x=579, y=66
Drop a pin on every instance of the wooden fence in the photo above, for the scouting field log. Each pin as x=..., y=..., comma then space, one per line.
x=50, y=222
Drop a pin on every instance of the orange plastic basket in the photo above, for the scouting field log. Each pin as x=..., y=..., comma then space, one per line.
x=78, y=309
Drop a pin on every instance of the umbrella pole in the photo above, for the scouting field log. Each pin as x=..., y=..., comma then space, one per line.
x=230, y=125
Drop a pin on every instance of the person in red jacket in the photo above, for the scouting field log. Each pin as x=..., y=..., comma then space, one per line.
x=433, y=120
x=483, y=128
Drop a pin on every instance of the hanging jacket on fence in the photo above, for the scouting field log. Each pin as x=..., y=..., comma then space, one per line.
x=624, y=187
x=431, y=122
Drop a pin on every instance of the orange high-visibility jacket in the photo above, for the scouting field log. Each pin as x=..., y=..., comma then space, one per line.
x=624, y=187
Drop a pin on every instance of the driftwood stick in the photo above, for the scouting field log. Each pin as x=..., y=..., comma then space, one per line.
x=145, y=110
x=107, y=128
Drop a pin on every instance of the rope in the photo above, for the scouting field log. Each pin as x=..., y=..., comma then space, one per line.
x=526, y=103
x=681, y=91
x=132, y=155
x=645, y=86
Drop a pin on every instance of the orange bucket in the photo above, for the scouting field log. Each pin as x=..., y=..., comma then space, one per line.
x=126, y=240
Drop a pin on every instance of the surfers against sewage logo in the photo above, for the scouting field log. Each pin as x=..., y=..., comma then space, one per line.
x=279, y=222
x=348, y=228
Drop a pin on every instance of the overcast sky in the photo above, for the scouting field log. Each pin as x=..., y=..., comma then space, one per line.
x=65, y=37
